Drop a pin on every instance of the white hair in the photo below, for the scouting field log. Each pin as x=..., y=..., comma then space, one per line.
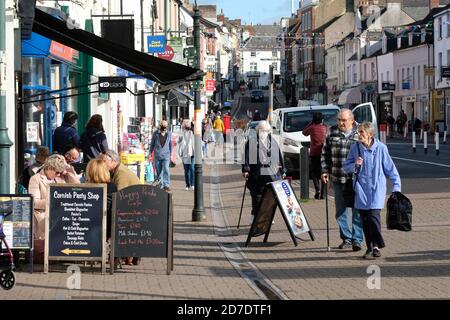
x=263, y=125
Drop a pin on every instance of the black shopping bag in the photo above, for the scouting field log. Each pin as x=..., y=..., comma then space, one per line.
x=399, y=212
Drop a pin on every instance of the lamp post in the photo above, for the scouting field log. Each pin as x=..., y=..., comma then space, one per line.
x=5, y=142
x=198, y=213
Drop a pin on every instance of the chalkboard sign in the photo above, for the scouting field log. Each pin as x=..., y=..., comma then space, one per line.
x=17, y=226
x=142, y=223
x=76, y=224
x=279, y=194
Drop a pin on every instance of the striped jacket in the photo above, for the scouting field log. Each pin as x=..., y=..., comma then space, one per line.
x=335, y=151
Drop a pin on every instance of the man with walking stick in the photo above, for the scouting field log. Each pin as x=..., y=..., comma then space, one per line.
x=334, y=153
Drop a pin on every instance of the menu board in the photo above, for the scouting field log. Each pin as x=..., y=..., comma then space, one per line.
x=76, y=224
x=279, y=194
x=141, y=222
x=17, y=225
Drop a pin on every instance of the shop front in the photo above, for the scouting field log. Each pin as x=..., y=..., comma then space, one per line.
x=48, y=68
x=384, y=106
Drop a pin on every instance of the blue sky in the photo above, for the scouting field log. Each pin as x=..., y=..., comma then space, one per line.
x=253, y=11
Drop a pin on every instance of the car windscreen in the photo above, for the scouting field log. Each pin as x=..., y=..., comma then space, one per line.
x=256, y=92
x=298, y=120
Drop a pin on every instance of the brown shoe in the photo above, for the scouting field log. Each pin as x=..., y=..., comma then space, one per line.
x=168, y=189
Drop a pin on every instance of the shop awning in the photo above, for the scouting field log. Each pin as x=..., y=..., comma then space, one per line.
x=349, y=96
x=139, y=63
x=177, y=98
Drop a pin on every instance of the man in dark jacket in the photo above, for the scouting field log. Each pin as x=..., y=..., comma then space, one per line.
x=263, y=163
x=66, y=134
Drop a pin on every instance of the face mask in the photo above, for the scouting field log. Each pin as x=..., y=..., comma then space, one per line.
x=163, y=128
x=263, y=135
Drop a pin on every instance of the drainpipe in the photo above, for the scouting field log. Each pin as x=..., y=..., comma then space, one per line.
x=166, y=4
x=5, y=142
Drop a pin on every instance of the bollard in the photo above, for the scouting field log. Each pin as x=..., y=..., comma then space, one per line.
x=405, y=131
x=444, y=140
x=436, y=138
x=425, y=142
x=304, y=171
x=421, y=135
x=414, y=141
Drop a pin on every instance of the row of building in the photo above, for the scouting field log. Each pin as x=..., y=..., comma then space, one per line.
x=393, y=53
x=45, y=78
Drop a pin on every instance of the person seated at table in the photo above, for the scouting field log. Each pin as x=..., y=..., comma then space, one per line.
x=54, y=170
x=97, y=172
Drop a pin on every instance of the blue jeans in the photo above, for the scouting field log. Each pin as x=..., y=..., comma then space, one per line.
x=188, y=165
x=355, y=233
x=163, y=172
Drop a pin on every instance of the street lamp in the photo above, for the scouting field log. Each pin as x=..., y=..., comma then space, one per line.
x=198, y=213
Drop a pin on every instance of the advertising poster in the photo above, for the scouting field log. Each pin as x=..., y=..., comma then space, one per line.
x=291, y=208
x=32, y=131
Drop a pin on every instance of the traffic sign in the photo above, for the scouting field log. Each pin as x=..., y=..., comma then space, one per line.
x=190, y=41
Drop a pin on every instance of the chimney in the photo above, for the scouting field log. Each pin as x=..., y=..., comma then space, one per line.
x=221, y=16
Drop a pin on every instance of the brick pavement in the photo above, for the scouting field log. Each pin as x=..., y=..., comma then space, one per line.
x=414, y=264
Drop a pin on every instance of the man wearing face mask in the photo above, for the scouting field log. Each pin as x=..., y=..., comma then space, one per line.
x=263, y=162
x=162, y=145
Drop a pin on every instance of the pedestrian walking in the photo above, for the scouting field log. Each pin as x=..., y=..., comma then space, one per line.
x=219, y=128
x=186, y=153
x=263, y=163
x=372, y=163
x=66, y=134
x=401, y=121
x=334, y=153
x=390, y=121
x=162, y=145
x=93, y=141
x=207, y=134
x=318, y=132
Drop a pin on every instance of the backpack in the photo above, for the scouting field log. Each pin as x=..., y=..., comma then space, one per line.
x=399, y=212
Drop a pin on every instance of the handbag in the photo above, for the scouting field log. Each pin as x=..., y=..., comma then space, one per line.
x=399, y=212
x=348, y=190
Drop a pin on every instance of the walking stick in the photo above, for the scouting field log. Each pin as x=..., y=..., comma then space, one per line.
x=242, y=204
x=328, y=227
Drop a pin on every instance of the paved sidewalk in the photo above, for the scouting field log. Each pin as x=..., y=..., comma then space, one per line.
x=211, y=262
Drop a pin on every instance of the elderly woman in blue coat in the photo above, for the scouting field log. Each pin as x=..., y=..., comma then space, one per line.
x=370, y=165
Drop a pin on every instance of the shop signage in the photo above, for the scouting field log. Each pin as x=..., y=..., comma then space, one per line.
x=143, y=224
x=61, y=51
x=386, y=86
x=429, y=71
x=410, y=99
x=156, y=44
x=112, y=84
x=445, y=72
x=76, y=223
x=17, y=225
x=279, y=195
x=405, y=85
x=210, y=87
x=168, y=54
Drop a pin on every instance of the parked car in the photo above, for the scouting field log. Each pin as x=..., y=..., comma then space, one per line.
x=288, y=124
x=257, y=95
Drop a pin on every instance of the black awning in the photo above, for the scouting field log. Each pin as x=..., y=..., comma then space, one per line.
x=177, y=99
x=150, y=67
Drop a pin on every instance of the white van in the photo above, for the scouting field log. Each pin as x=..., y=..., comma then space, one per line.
x=288, y=123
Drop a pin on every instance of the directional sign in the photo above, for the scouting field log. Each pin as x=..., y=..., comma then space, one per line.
x=189, y=52
x=190, y=41
x=68, y=251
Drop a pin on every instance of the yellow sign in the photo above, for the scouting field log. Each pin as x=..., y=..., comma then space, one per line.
x=135, y=162
x=429, y=71
x=74, y=251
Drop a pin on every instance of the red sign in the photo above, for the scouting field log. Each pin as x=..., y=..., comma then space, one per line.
x=210, y=85
x=168, y=54
x=61, y=51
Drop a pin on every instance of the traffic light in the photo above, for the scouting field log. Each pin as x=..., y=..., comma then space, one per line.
x=25, y=11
